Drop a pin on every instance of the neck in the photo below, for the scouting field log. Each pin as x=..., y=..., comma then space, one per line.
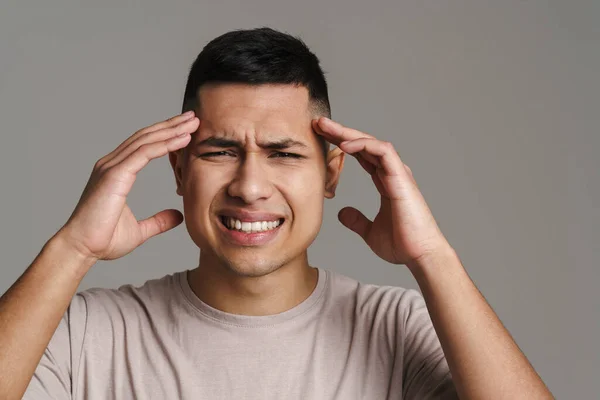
x=273, y=293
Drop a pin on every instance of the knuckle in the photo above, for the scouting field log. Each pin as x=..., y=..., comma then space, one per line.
x=99, y=164
x=142, y=131
x=118, y=174
x=161, y=223
x=181, y=128
x=172, y=130
x=143, y=148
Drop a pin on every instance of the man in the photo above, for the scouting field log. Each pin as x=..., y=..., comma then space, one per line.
x=254, y=320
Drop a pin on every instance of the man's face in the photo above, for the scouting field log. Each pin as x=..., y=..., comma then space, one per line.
x=253, y=177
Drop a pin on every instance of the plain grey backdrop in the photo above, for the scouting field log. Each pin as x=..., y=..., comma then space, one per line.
x=494, y=105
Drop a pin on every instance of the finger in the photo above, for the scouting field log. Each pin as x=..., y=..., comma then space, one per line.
x=137, y=160
x=159, y=223
x=368, y=166
x=387, y=157
x=370, y=158
x=319, y=131
x=173, y=121
x=364, y=161
x=337, y=133
x=186, y=127
x=354, y=220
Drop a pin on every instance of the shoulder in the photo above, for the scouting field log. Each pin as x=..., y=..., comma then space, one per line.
x=391, y=308
x=128, y=300
x=372, y=298
x=386, y=315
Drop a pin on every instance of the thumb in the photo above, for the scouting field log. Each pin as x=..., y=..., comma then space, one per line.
x=159, y=223
x=354, y=220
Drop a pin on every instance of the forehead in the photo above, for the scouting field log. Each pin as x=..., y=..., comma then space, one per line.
x=268, y=110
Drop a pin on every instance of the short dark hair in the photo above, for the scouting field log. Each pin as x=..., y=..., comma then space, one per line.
x=259, y=56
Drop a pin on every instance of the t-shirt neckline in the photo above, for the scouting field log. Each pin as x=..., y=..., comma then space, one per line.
x=252, y=320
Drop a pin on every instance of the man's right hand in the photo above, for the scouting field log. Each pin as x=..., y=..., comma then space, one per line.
x=102, y=226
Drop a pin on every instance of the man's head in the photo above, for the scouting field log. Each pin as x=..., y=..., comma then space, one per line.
x=255, y=156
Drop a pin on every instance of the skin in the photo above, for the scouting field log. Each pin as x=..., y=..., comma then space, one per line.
x=273, y=278
x=484, y=360
x=291, y=182
x=102, y=227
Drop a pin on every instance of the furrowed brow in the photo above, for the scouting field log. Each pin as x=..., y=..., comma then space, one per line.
x=282, y=144
x=220, y=142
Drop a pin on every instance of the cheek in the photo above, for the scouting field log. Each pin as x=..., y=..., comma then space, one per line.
x=201, y=188
x=304, y=192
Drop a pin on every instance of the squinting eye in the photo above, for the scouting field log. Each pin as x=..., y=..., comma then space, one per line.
x=286, y=155
x=216, y=153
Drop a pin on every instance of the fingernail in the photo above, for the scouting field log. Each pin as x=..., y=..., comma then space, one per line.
x=188, y=113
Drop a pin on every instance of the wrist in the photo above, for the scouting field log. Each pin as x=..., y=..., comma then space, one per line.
x=431, y=259
x=59, y=247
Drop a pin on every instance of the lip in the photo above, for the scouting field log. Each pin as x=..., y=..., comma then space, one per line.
x=240, y=238
x=250, y=216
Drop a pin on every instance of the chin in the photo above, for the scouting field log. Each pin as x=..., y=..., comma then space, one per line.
x=252, y=267
x=252, y=271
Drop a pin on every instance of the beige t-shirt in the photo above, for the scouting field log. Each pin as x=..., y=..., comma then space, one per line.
x=347, y=340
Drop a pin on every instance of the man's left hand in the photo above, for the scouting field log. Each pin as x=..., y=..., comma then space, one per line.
x=404, y=229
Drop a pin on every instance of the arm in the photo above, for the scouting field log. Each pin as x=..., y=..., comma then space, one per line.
x=102, y=227
x=484, y=360
x=31, y=310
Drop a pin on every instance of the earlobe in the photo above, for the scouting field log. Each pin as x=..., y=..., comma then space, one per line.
x=335, y=164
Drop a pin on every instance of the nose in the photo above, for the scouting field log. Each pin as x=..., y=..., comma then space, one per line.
x=251, y=182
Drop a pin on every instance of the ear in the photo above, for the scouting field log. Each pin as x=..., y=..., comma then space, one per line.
x=176, y=158
x=335, y=164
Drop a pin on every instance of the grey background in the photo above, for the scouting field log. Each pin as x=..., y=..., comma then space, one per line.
x=494, y=105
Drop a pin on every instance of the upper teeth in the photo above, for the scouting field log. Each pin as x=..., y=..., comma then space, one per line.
x=256, y=226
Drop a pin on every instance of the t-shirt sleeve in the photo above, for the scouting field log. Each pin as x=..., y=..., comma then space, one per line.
x=425, y=374
x=54, y=373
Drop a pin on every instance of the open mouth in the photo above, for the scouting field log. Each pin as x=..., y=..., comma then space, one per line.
x=234, y=224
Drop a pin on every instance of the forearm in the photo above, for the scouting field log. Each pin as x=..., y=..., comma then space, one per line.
x=30, y=312
x=484, y=360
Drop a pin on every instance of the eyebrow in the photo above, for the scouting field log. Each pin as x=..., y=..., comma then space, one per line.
x=280, y=144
